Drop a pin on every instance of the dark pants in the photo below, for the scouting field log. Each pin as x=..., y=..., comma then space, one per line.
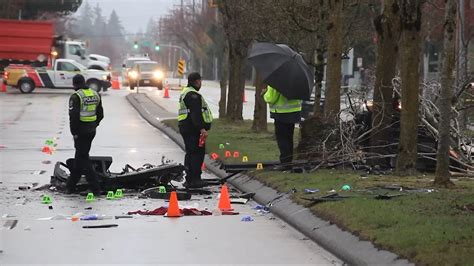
x=82, y=164
x=284, y=135
x=194, y=155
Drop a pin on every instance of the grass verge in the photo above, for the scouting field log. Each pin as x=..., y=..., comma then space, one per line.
x=430, y=228
x=238, y=137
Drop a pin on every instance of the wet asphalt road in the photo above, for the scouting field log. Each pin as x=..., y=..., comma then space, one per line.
x=27, y=121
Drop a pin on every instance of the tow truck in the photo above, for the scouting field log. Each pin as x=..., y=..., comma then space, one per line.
x=26, y=78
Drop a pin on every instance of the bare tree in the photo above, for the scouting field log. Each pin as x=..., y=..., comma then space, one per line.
x=223, y=73
x=332, y=104
x=237, y=24
x=447, y=90
x=260, y=114
x=410, y=16
x=387, y=26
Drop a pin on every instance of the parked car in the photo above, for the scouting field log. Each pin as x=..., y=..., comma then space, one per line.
x=146, y=73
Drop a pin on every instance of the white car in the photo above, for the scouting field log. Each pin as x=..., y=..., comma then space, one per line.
x=128, y=64
x=146, y=73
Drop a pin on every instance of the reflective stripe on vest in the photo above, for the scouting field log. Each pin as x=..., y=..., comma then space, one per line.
x=283, y=105
x=184, y=111
x=89, y=102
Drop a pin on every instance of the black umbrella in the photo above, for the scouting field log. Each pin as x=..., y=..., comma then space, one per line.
x=283, y=69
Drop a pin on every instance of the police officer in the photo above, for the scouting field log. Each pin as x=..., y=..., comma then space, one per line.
x=195, y=119
x=286, y=114
x=85, y=114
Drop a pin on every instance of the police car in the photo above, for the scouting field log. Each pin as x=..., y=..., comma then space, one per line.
x=26, y=78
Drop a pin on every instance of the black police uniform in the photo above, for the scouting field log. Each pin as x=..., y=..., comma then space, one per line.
x=84, y=133
x=284, y=131
x=190, y=130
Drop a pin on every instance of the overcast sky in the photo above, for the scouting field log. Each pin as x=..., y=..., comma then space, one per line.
x=134, y=14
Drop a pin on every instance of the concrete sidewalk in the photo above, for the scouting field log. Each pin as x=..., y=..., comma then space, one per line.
x=342, y=244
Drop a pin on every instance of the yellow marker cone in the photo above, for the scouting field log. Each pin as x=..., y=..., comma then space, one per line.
x=259, y=166
x=245, y=159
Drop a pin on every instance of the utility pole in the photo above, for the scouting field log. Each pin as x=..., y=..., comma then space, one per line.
x=169, y=57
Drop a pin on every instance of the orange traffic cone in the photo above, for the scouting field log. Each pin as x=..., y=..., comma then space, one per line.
x=173, y=207
x=115, y=82
x=224, y=201
x=167, y=93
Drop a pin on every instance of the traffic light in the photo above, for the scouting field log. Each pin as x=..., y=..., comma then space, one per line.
x=135, y=45
x=157, y=46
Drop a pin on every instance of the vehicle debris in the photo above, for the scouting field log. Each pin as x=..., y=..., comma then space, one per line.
x=388, y=197
x=247, y=218
x=326, y=198
x=100, y=226
x=10, y=224
x=134, y=178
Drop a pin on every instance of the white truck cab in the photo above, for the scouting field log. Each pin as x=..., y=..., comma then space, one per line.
x=76, y=50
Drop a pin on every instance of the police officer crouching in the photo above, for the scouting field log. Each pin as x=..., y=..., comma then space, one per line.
x=195, y=119
x=85, y=114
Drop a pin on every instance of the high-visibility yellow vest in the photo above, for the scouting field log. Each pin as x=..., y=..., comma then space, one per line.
x=279, y=103
x=89, y=101
x=184, y=111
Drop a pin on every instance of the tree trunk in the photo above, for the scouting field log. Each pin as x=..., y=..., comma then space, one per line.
x=410, y=73
x=237, y=60
x=447, y=80
x=224, y=75
x=318, y=77
x=332, y=104
x=387, y=26
x=260, y=112
x=462, y=46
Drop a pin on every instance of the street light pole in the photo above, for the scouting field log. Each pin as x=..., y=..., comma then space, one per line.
x=184, y=50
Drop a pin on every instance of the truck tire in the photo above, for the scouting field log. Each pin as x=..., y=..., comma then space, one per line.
x=26, y=85
x=160, y=85
x=94, y=84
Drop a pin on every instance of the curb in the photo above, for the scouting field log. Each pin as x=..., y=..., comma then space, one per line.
x=342, y=244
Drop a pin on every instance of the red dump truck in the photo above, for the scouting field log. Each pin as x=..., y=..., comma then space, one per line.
x=25, y=42
x=34, y=43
